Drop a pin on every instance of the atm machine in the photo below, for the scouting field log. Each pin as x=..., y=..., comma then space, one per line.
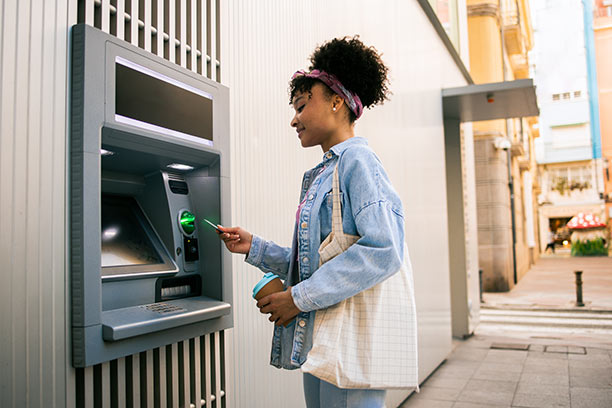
x=149, y=161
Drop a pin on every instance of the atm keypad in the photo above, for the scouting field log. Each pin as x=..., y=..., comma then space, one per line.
x=163, y=308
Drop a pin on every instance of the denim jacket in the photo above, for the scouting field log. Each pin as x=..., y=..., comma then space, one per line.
x=371, y=209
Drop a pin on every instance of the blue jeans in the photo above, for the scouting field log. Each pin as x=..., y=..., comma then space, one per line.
x=321, y=394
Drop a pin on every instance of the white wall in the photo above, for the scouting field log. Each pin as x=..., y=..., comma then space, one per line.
x=265, y=42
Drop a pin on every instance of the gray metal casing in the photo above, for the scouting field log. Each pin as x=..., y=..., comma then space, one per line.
x=109, y=319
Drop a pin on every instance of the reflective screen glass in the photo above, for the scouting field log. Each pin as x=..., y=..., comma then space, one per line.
x=124, y=240
x=147, y=99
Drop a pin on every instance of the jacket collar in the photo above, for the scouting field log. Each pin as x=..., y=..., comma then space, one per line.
x=341, y=147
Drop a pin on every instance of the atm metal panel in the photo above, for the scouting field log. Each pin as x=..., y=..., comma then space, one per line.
x=123, y=313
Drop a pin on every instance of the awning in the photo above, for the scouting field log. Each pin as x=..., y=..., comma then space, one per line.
x=499, y=100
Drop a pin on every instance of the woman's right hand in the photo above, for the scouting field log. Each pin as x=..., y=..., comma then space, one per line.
x=236, y=239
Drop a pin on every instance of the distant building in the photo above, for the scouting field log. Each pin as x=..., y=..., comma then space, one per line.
x=603, y=51
x=568, y=150
x=500, y=36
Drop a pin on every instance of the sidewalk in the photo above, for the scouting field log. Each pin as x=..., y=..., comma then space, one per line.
x=521, y=370
x=538, y=367
x=550, y=284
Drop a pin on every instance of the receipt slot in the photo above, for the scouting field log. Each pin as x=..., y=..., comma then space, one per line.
x=149, y=160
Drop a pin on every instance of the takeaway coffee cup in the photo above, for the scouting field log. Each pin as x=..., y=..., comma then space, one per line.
x=269, y=284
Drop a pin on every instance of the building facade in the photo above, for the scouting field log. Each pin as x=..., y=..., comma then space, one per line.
x=500, y=36
x=603, y=50
x=253, y=48
x=567, y=151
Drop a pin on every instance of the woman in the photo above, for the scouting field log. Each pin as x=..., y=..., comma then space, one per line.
x=345, y=76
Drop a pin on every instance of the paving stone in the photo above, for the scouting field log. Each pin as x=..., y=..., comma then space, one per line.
x=545, y=379
x=590, y=363
x=542, y=389
x=461, y=364
x=508, y=354
x=556, y=349
x=596, y=350
x=589, y=372
x=491, y=385
x=486, y=397
x=474, y=343
x=576, y=350
x=588, y=357
x=438, y=393
x=474, y=405
x=549, y=362
x=502, y=359
x=497, y=375
x=445, y=382
x=591, y=398
x=536, y=347
x=592, y=381
x=510, y=346
x=540, y=401
x=547, y=356
x=456, y=370
x=515, y=368
x=414, y=402
x=469, y=355
x=545, y=369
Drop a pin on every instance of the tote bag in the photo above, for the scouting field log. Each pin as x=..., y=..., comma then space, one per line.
x=368, y=341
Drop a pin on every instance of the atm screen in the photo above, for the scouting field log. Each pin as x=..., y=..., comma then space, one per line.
x=148, y=99
x=129, y=245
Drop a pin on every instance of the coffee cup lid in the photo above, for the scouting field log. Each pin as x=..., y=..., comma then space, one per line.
x=268, y=277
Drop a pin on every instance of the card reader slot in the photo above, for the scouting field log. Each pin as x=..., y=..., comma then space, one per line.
x=134, y=321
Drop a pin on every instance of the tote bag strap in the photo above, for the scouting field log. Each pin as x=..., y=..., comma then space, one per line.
x=336, y=206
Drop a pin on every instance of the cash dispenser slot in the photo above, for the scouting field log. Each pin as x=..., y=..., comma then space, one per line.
x=178, y=287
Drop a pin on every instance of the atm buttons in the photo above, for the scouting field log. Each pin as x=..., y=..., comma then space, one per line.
x=163, y=308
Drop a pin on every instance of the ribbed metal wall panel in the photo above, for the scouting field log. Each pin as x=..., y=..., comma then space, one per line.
x=33, y=55
x=269, y=40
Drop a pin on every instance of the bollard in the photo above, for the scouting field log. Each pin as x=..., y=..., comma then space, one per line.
x=579, y=301
x=480, y=282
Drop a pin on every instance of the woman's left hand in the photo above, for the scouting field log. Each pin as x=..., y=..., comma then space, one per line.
x=280, y=306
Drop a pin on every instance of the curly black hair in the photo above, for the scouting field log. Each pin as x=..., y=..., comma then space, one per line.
x=358, y=67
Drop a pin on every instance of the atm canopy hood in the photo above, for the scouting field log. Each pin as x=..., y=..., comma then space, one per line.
x=500, y=100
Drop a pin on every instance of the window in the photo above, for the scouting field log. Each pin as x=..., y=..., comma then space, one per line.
x=567, y=180
x=577, y=94
x=446, y=10
x=556, y=97
x=566, y=95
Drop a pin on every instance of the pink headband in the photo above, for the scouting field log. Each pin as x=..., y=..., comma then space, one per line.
x=352, y=99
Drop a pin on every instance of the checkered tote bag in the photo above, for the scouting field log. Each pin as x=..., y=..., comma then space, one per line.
x=368, y=340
